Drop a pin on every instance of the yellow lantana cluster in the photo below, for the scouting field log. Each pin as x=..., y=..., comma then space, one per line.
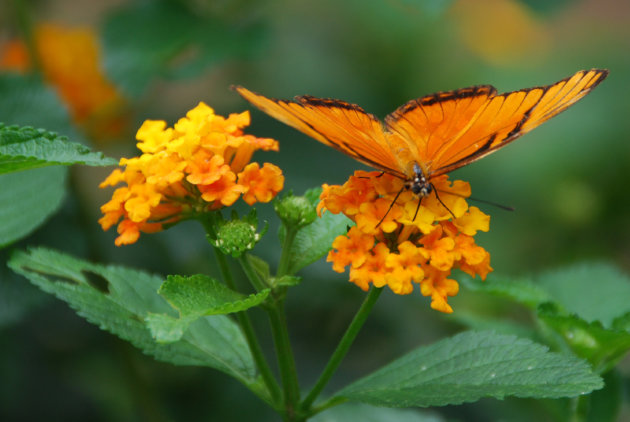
x=396, y=244
x=199, y=165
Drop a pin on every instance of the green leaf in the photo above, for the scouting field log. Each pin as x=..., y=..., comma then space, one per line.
x=520, y=290
x=603, y=347
x=315, y=240
x=594, y=292
x=23, y=148
x=364, y=413
x=27, y=199
x=472, y=365
x=117, y=299
x=194, y=297
x=146, y=40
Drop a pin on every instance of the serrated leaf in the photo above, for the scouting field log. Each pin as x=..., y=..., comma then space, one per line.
x=213, y=341
x=603, y=347
x=593, y=291
x=27, y=199
x=195, y=297
x=315, y=240
x=472, y=365
x=364, y=413
x=24, y=148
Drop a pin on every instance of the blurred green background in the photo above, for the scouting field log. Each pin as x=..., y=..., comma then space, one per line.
x=567, y=179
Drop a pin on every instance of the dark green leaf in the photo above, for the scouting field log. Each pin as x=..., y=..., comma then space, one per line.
x=472, y=365
x=195, y=297
x=213, y=341
x=24, y=148
x=594, y=292
x=27, y=198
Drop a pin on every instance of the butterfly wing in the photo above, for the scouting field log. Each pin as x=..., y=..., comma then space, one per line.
x=343, y=126
x=452, y=129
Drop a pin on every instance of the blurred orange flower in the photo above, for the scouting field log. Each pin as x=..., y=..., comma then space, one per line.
x=398, y=244
x=70, y=60
x=199, y=165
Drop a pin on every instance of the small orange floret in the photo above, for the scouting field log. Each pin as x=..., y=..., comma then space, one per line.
x=398, y=243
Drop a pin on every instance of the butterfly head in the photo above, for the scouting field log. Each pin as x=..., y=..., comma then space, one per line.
x=419, y=183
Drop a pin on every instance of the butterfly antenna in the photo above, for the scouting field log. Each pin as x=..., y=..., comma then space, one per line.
x=391, y=206
x=440, y=201
x=494, y=204
x=483, y=201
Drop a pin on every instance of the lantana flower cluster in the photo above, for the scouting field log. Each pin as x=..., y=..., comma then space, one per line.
x=396, y=244
x=71, y=61
x=201, y=164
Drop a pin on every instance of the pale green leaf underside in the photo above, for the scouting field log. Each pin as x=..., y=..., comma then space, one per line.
x=472, y=365
x=23, y=148
x=27, y=198
x=194, y=297
x=348, y=412
x=214, y=341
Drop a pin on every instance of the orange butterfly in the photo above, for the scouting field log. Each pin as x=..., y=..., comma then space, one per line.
x=432, y=135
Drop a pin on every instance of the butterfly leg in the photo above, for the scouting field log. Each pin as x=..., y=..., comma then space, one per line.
x=440, y=201
x=391, y=205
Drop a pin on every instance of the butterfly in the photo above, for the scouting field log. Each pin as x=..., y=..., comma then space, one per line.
x=431, y=135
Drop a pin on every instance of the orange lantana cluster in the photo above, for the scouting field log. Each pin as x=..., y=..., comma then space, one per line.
x=397, y=244
x=70, y=60
x=199, y=165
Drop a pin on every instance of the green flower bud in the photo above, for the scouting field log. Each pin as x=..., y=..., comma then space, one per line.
x=235, y=236
x=295, y=211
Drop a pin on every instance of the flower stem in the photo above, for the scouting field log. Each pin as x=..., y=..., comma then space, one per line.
x=343, y=347
x=286, y=361
x=250, y=335
x=283, y=265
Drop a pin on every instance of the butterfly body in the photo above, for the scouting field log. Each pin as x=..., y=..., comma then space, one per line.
x=431, y=135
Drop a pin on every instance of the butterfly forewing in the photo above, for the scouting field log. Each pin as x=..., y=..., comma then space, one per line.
x=428, y=123
x=498, y=121
x=343, y=126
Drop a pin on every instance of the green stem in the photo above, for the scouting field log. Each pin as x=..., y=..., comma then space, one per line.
x=283, y=265
x=246, y=325
x=580, y=406
x=250, y=335
x=286, y=362
x=343, y=347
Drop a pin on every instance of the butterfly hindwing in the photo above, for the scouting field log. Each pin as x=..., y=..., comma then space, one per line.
x=341, y=125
